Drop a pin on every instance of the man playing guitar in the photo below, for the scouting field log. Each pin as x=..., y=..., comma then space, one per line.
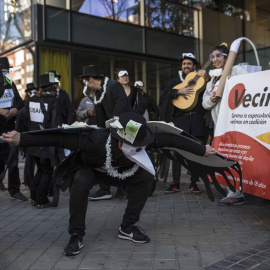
x=191, y=121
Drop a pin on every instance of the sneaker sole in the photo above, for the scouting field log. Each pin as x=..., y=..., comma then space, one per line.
x=232, y=204
x=169, y=192
x=74, y=253
x=135, y=241
x=17, y=199
x=106, y=197
x=197, y=192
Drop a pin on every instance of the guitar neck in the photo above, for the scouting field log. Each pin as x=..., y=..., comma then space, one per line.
x=204, y=67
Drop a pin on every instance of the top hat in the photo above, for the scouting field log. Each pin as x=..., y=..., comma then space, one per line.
x=46, y=80
x=4, y=63
x=91, y=71
x=134, y=132
x=189, y=56
x=30, y=86
x=56, y=75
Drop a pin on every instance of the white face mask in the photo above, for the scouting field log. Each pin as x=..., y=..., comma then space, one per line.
x=4, y=72
x=57, y=81
x=85, y=87
x=32, y=93
x=140, y=158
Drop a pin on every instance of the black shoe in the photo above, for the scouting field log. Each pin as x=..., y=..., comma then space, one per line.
x=19, y=197
x=46, y=205
x=133, y=233
x=74, y=245
x=173, y=188
x=2, y=187
x=101, y=194
x=194, y=188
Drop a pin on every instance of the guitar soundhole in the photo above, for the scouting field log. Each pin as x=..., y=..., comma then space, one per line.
x=191, y=83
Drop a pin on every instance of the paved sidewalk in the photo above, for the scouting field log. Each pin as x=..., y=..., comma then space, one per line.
x=187, y=231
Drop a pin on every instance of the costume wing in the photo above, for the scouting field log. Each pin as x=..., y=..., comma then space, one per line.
x=76, y=127
x=200, y=166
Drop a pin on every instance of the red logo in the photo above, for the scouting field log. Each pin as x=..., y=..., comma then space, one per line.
x=236, y=96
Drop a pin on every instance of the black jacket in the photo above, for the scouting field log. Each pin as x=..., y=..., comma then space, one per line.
x=115, y=103
x=136, y=100
x=67, y=109
x=192, y=122
x=50, y=108
x=8, y=125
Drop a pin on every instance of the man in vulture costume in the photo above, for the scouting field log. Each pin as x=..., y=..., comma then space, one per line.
x=117, y=156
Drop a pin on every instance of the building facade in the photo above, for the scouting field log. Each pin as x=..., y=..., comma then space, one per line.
x=145, y=37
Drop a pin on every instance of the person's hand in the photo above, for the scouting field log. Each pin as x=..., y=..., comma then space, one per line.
x=90, y=113
x=13, y=113
x=5, y=113
x=209, y=151
x=214, y=99
x=12, y=137
x=204, y=74
x=186, y=91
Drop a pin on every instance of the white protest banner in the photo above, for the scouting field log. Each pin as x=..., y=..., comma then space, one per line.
x=36, y=114
x=243, y=129
x=6, y=101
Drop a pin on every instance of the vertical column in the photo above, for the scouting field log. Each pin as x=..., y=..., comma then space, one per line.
x=144, y=75
x=111, y=69
x=157, y=84
x=142, y=23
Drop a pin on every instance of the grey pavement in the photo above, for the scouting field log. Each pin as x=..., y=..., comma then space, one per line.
x=187, y=231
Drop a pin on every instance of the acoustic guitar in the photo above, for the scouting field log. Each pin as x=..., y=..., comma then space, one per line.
x=198, y=83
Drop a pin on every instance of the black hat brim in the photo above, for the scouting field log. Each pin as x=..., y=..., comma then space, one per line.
x=29, y=89
x=87, y=76
x=47, y=85
x=147, y=139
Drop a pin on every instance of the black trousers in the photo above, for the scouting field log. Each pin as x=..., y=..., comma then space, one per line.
x=14, y=182
x=39, y=188
x=29, y=170
x=85, y=178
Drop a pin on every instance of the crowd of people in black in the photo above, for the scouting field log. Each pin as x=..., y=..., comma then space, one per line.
x=116, y=153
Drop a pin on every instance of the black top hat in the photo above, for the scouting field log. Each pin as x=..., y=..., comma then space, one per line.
x=46, y=80
x=4, y=63
x=56, y=75
x=91, y=71
x=189, y=56
x=30, y=86
x=144, y=135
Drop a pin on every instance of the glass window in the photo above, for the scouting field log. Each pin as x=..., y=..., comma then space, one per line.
x=105, y=33
x=58, y=3
x=120, y=10
x=23, y=68
x=169, y=45
x=170, y=17
x=57, y=24
x=15, y=23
